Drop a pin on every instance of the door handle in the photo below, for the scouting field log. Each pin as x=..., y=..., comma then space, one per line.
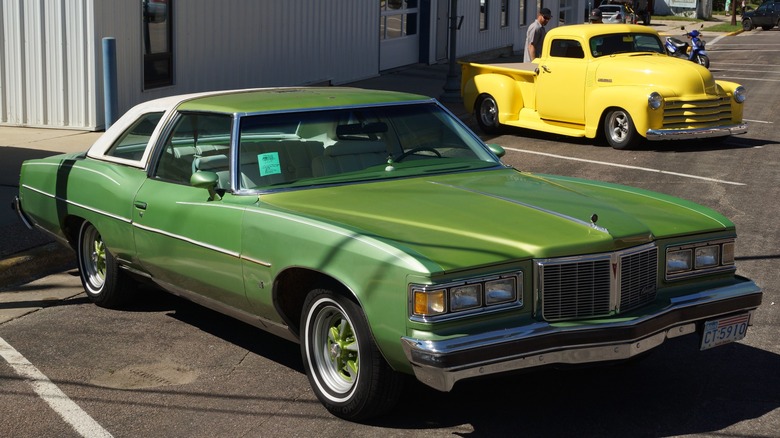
x=546, y=70
x=140, y=205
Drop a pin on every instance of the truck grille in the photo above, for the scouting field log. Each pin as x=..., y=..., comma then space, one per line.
x=680, y=114
x=583, y=287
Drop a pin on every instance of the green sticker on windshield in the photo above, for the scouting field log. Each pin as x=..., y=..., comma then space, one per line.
x=269, y=164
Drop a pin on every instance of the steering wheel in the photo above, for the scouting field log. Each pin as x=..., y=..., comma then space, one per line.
x=415, y=150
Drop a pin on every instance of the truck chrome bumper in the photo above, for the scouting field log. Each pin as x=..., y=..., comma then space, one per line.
x=17, y=206
x=440, y=364
x=677, y=134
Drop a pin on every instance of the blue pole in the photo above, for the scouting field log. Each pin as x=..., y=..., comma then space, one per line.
x=109, y=81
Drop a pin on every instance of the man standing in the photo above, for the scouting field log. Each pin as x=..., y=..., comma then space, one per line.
x=534, y=38
x=595, y=16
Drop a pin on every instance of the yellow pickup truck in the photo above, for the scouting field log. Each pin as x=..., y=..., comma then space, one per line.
x=609, y=80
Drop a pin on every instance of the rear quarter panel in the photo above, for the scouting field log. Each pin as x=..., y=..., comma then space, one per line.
x=58, y=191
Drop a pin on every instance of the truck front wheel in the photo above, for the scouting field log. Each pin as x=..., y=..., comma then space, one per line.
x=487, y=114
x=619, y=129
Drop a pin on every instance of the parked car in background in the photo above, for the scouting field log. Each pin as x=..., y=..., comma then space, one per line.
x=766, y=16
x=614, y=13
x=379, y=232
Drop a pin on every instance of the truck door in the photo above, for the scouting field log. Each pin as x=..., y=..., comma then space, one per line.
x=560, y=86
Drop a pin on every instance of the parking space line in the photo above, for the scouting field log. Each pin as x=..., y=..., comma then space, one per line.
x=67, y=409
x=625, y=166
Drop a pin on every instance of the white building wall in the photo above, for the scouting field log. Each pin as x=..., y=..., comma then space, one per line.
x=45, y=79
x=471, y=40
x=51, y=51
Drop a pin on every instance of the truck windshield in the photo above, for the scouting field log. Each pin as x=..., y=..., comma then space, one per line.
x=605, y=45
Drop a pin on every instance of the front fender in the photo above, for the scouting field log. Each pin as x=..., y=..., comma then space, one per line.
x=630, y=98
x=736, y=108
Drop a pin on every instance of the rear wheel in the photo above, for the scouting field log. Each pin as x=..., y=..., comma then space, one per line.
x=487, y=114
x=345, y=368
x=619, y=129
x=98, y=269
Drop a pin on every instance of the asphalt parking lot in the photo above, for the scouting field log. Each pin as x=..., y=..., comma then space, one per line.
x=165, y=367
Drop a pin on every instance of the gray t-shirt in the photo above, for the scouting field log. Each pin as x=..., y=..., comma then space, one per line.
x=534, y=35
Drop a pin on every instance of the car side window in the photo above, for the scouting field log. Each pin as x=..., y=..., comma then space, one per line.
x=198, y=142
x=563, y=48
x=131, y=145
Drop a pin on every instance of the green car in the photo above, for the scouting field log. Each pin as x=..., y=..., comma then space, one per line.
x=379, y=232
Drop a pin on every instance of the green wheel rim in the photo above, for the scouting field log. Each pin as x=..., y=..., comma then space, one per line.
x=337, y=355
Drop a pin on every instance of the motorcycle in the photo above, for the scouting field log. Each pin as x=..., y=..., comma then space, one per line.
x=694, y=52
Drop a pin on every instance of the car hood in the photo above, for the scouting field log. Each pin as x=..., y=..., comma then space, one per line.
x=479, y=218
x=678, y=77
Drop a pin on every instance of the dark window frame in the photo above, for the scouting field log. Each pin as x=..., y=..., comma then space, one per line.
x=151, y=14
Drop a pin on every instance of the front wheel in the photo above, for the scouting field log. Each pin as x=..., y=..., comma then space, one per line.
x=487, y=114
x=703, y=60
x=747, y=25
x=344, y=366
x=98, y=269
x=619, y=129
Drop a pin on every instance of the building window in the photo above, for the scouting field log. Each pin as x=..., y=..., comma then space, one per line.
x=504, y=13
x=484, y=7
x=522, y=8
x=158, y=49
x=398, y=18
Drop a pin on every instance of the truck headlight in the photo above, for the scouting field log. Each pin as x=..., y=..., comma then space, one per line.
x=655, y=100
x=740, y=94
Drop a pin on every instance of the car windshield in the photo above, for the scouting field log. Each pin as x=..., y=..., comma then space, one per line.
x=296, y=149
x=605, y=45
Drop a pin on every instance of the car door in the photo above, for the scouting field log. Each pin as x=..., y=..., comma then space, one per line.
x=187, y=239
x=764, y=15
x=560, y=86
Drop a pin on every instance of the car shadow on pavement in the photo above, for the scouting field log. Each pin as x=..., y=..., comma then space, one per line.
x=238, y=333
x=673, y=391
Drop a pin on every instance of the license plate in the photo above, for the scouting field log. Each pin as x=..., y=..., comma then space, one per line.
x=722, y=331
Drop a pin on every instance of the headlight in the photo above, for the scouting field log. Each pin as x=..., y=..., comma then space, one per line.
x=699, y=259
x=433, y=302
x=655, y=100
x=740, y=94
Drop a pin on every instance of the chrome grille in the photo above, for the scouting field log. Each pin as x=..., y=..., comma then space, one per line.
x=679, y=114
x=638, y=279
x=584, y=287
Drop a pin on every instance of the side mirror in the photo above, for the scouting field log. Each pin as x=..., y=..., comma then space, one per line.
x=206, y=180
x=496, y=149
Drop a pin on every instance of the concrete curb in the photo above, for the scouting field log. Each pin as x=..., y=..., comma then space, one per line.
x=35, y=263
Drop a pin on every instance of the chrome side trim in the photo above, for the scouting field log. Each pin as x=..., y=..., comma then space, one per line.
x=76, y=204
x=442, y=363
x=187, y=239
x=17, y=206
x=264, y=324
x=676, y=134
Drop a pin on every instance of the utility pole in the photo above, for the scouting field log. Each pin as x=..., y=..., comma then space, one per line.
x=452, y=84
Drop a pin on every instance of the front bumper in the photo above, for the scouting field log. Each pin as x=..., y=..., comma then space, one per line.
x=681, y=134
x=440, y=364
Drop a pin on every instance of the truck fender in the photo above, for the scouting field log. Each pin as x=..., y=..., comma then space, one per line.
x=606, y=98
x=504, y=90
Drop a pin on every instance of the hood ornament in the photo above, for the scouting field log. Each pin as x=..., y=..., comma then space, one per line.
x=595, y=218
